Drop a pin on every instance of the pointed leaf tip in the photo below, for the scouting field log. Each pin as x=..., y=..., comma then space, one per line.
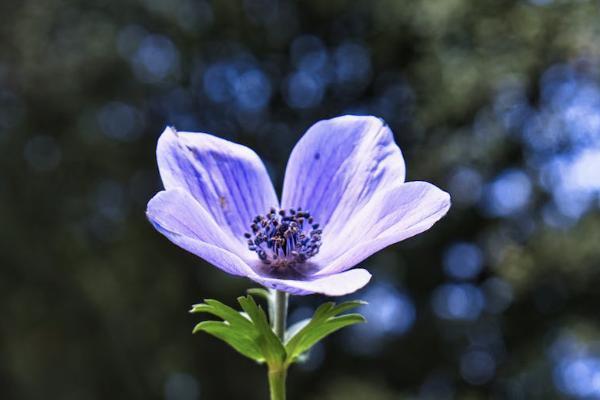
x=248, y=331
x=260, y=292
x=325, y=321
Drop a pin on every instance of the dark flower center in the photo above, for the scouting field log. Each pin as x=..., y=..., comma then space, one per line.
x=285, y=237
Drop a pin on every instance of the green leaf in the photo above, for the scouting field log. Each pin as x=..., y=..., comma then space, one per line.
x=271, y=346
x=348, y=305
x=260, y=292
x=222, y=311
x=238, y=340
x=324, y=322
x=248, y=332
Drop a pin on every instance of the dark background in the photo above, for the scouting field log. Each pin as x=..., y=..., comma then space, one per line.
x=498, y=102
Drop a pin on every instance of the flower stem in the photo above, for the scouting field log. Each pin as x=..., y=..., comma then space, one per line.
x=277, y=383
x=278, y=313
x=280, y=305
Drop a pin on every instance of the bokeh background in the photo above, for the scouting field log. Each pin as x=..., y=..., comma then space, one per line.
x=498, y=102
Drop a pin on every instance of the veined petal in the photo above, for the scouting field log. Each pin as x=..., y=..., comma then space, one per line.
x=338, y=166
x=227, y=179
x=330, y=285
x=392, y=216
x=178, y=216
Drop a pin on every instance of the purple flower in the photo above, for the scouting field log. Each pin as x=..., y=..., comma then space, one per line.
x=344, y=198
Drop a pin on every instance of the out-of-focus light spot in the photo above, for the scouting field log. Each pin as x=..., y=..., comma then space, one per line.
x=556, y=219
x=352, y=64
x=566, y=345
x=573, y=181
x=581, y=115
x=109, y=200
x=218, y=80
x=576, y=366
x=42, y=153
x=181, y=386
x=390, y=312
x=557, y=83
x=498, y=295
x=584, y=172
x=458, y=302
x=578, y=377
x=561, y=140
x=303, y=90
x=308, y=54
x=252, y=90
x=395, y=103
x=463, y=260
x=120, y=121
x=508, y=194
x=477, y=367
x=542, y=133
x=465, y=186
x=238, y=82
x=572, y=204
x=155, y=59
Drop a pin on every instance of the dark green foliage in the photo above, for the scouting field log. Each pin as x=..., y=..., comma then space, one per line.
x=250, y=333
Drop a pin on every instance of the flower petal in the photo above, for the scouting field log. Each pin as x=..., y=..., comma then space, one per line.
x=330, y=285
x=339, y=165
x=392, y=216
x=227, y=179
x=178, y=216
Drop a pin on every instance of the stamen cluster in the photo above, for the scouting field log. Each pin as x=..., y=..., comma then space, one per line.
x=284, y=237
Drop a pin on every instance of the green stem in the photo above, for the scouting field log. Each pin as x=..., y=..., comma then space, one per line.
x=280, y=306
x=278, y=313
x=277, y=383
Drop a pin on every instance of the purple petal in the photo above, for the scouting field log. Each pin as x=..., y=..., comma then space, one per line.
x=228, y=180
x=338, y=166
x=331, y=285
x=178, y=216
x=392, y=216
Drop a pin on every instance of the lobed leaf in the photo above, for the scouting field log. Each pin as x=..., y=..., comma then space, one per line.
x=324, y=322
x=271, y=345
x=248, y=332
x=241, y=342
x=260, y=292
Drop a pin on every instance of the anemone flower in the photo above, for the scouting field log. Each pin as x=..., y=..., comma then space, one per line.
x=344, y=198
